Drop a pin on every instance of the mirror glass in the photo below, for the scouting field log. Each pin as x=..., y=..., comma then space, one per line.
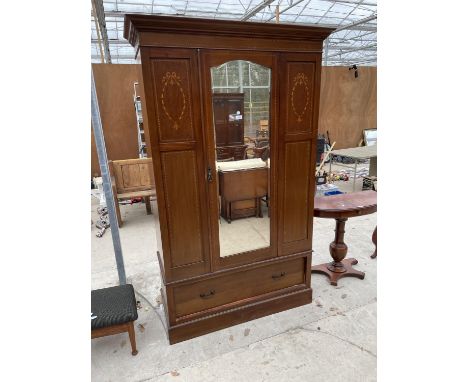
x=241, y=115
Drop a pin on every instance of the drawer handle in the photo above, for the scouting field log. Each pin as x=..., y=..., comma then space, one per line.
x=278, y=276
x=208, y=295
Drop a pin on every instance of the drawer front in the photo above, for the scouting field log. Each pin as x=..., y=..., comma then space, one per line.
x=243, y=204
x=203, y=295
x=244, y=208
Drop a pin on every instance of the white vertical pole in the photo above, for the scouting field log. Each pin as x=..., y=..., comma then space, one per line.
x=106, y=181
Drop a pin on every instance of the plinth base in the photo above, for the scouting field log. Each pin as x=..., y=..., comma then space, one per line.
x=346, y=270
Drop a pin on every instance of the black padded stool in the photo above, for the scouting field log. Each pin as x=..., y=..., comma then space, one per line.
x=115, y=310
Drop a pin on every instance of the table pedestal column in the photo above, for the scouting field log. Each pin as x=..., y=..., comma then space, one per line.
x=339, y=267
x=374, y=240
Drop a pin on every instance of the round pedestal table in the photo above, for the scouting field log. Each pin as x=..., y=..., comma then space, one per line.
x=341, y=208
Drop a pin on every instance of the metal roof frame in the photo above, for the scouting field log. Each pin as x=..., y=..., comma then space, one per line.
x=353, y=42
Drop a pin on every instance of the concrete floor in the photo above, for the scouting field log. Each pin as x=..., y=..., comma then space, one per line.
x=331, y=339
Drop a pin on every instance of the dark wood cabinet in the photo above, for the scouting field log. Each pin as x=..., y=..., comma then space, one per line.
x=228, y=112
x=202, y=290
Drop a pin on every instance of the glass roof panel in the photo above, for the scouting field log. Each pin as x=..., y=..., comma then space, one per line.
x=356, y=43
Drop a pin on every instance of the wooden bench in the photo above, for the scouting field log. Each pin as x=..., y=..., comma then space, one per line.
x=132, y=178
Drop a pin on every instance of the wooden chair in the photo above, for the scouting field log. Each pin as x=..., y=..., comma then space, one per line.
x=132, y=178
x=250, y=142
x=263, y=152
x=262, y=142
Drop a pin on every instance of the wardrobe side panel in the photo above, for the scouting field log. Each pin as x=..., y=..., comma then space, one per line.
x=177, y=145
x=299, y=97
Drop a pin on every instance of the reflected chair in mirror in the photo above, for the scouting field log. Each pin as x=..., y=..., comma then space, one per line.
x=236, y=152
x=264, y=125
x=250, y=142
x=262, y=133
x=263, y=153
x=262, y=142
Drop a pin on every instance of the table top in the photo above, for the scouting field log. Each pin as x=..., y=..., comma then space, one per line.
x=346, y=205
x=363, y=152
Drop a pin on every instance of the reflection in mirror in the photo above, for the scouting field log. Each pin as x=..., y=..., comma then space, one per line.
x=241, y=115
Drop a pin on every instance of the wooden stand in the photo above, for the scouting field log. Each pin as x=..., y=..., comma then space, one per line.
x=339, y=267
x=340, y=208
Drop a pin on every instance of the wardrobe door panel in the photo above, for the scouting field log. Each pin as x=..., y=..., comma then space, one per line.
x=176, y=136
x=183, y=209
x=243, y=211
x=296, y=193
x=299, y=97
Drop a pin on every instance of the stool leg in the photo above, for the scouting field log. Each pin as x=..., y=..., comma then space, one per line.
x=131, y=335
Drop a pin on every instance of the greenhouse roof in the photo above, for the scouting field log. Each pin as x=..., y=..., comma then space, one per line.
x=353, y=42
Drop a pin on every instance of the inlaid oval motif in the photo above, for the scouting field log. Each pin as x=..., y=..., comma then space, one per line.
x=171, y=88
x=300, y=95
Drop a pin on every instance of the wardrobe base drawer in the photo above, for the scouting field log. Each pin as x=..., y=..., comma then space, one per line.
x=227, y=318
x=237, y=287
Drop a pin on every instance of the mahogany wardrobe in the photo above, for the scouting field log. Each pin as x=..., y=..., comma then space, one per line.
x=218, y=273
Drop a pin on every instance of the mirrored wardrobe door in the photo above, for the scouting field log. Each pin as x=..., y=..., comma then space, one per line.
x=241, y=128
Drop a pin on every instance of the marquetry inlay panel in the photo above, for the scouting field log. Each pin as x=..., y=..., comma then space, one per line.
x=300, y=93
x=172, y=84
x=172, y=88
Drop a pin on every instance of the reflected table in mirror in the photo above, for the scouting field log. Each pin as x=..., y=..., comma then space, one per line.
x=341, y=207
x=243, y=189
